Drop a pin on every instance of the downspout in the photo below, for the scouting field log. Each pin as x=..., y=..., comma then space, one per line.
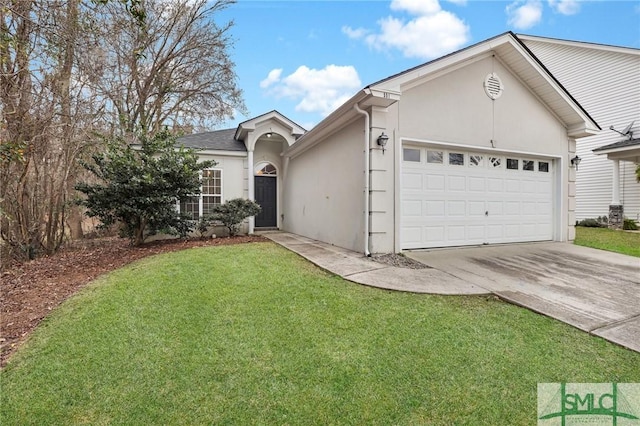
x=366, y=178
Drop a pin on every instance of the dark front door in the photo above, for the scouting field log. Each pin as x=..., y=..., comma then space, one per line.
x=266, y=194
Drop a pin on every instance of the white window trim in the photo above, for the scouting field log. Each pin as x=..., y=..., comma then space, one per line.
x=200, y=197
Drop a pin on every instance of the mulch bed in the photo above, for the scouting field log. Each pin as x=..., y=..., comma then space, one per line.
x=29, y=291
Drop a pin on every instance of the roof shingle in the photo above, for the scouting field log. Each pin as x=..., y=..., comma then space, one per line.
x=218, y=140
x=621, y=144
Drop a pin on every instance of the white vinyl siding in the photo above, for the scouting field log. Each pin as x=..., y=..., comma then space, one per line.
x=606, y=82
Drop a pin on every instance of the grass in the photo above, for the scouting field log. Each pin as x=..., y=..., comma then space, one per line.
x=253, y=334
x=608, y=239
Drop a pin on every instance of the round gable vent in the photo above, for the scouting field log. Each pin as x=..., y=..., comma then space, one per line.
x=493, y=86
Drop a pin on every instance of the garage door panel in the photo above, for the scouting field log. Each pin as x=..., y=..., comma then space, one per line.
x=456, y=233
x=476, y=233
x=412, y=208
x=412, y=235
x=512, y=208
x=529, y=187
x=435, y=182
x=495, y=207
x=495, y=233
x=476, y=184
x=544, y=208
x=457, y=208
x=529, y=208
x=476, y=208
x=495, y=185
x=512, y=186
x=435, y=208
x=478, y=202
x=528, y=230
x=434, y=234
x=457, y=183
x=412, y=181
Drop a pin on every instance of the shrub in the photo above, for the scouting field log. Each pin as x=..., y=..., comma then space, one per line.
x=233, y=212
x=138, y=188
x=629, y=225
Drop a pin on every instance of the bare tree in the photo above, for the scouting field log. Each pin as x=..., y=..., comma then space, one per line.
x=70, y=68
x=173, y=71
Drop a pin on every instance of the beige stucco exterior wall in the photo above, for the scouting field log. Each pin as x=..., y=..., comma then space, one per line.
x=233, y=170
x=234, y=183
x=455, y=108
x=325, y=190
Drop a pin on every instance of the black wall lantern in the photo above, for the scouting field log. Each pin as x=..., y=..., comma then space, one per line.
x=382, y=141
x=575, y=161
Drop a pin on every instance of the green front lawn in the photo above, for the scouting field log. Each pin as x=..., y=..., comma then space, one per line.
x=608, y=239
x=253, y=334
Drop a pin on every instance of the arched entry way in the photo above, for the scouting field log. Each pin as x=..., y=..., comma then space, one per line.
x=266, y=194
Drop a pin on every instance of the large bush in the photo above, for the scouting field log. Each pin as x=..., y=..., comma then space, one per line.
x=139, y=187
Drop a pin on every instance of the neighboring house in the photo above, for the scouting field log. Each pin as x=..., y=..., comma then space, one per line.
x=472, y=148
x=606, y=82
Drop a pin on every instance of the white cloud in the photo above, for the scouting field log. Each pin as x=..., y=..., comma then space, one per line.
x=565, y=7
x=425, y=37
x=354, y=33
x=317, y=90
x=417, y=7
x=524, y=14
x=272, y=78
x=431, y=33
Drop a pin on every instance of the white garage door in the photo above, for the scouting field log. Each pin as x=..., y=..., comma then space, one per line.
x=452, y=197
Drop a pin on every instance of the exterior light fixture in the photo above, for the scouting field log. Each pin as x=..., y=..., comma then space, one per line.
x=382, y=141
x=575, y=161
x=269, y=134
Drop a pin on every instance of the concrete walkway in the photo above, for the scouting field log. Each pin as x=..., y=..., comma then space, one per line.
x=593, y=290
x=356, y=267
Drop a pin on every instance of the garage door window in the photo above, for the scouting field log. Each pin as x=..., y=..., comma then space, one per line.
x=456, y=159
x=528, y=165
x=476, y=160
x=543, y=167
x=512, y=164
x=495, y=162
x=411, y=154
x=434, y=157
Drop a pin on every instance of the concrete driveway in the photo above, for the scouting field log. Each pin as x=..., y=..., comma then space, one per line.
x=593, y=290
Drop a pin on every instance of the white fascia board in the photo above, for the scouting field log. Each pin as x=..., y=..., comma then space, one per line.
x=221, y=153
x=581, y=44
x=461, y=57
x=620, y=150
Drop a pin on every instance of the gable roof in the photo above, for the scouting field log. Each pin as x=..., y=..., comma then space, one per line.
x=512, y=52
x=505, y=47
x=234, y=139
x=248, y=125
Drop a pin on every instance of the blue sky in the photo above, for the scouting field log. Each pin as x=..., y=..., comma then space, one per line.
x=304, y=58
